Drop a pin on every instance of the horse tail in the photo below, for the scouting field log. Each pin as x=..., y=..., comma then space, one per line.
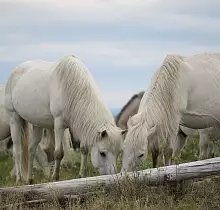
x=26, y=130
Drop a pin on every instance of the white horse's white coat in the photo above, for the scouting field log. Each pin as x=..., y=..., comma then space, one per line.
x=60, y=95
x=186, y=91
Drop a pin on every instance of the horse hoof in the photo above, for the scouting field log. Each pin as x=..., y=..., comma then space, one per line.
x=47, y=172
x=55, y=178
x=30, y=181
x=81, y=175
x=19, y=182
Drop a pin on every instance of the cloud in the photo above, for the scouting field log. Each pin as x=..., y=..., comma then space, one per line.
x=143, y=12
x=119, y=53
x=121, y=41
x=117, y=99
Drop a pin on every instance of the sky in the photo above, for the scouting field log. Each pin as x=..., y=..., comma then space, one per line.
x=122, y=42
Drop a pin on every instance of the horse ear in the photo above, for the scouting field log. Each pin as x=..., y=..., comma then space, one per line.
x=103, y=133
x=152, y=131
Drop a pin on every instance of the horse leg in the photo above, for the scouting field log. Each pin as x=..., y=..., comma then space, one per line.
x=48, y=144
x=155, y=154
x=67, y=147
x=13, y=171
x=42, y=160
x=84, y=154
x=210, y=150
x=9, y=142
x=4, y=148
x=167, y=155
x=179, y=143
x=169, y=148
x=15, y=128
x=203, y=145
x=58, y=153
x=35, y=140
x=74, y=142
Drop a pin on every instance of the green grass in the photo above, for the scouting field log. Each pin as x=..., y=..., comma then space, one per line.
x=205, y=195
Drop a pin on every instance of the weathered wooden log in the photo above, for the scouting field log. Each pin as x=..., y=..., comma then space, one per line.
x=154, y=176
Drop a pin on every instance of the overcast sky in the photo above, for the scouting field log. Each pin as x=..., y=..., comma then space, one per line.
x=122, y=42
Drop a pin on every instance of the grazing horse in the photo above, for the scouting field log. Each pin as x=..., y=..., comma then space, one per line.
x=206, y=135
x=184, y=91
x=60, y=95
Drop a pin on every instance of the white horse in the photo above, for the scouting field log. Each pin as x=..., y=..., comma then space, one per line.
x=46, y=143
x=186, y=91
x=207, y=136
x=57, y=95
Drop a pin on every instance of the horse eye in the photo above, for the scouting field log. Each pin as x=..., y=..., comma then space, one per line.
x=103, y=154
x=140, y=156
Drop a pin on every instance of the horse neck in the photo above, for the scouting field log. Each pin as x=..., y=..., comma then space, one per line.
x=161, y=105
x=82, y=99
x=87, y=119
x=88, y=127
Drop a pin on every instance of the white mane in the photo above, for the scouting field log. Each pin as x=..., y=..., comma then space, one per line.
x=83, y=100
x=159, y=105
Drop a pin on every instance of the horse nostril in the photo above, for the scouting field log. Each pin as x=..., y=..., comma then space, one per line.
x=103, y=154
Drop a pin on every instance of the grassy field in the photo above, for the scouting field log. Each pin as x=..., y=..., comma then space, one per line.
x=205, y=195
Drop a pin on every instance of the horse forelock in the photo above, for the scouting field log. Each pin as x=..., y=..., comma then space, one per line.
x=127, y=105
x=84, y=110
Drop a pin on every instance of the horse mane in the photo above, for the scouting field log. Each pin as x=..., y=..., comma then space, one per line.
x=159, y=105
x=82, y=99
x=137, y=95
